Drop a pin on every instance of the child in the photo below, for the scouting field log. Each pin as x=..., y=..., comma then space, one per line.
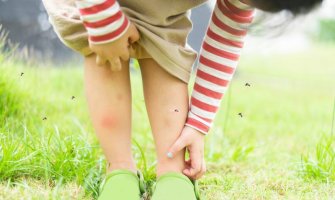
x=108, y=33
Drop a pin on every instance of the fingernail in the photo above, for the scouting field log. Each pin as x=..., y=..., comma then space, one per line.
x=169, y=154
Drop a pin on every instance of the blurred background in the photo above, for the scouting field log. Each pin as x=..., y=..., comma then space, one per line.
x=30, y=28
x=273, y=137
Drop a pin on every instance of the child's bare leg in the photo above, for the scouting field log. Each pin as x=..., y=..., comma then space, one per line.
x=166, y=100
x=109, y=101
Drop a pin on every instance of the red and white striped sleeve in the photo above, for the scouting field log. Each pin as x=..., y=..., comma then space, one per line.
x=219, y=57
x=103, y=19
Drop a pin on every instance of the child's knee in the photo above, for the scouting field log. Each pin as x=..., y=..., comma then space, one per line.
x=107, y=121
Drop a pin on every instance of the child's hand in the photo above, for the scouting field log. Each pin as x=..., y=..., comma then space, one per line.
x=113, y=52
x=193, y=140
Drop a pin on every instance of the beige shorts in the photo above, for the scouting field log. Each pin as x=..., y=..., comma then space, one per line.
x=163, y=25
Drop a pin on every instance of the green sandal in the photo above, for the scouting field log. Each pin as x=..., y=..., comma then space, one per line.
x=122, y=184
x=176, y=186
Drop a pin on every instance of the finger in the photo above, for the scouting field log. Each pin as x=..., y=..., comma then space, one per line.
x=176, y=147
x=125, y=55
x=187, y=172
x=115, y=64
x=202, y=171
x=188, y=166
x=134, y=36
x=188, y=162
x=100, y=61
x=196, y=162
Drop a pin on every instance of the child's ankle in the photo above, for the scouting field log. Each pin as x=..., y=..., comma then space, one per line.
x=168, y=167
x=162, y=172
x=122, y=165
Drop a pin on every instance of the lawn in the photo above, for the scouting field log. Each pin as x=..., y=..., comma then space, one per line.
x=268, y=142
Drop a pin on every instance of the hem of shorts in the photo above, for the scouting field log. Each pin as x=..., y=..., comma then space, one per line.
x=86, y=51
x=168, y=64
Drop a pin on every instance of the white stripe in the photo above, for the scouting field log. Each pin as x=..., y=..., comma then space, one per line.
x=218, y=45
x=202, y=113
x=219, y=59
x=194, y=116
x=206, y=99
x=211, y=86
x=239, y=4
x=225, y=34
x=214, y=72
x=112, y=39
x=226, y=20
x=103, y=14
x=196, y=113
x=88, y=3
x=106, y=29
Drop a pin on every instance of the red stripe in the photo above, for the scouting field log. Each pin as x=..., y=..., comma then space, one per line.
x=207, y=92
x=104, y=22
x=231, y=15
x=111, y=35
x=227, y=28
x=220, y=52
x=97, y=8
x=197, y=124
x=212, y=79
x=215, y=65
x=238, y=11
x=203, y=105
x=223, y=40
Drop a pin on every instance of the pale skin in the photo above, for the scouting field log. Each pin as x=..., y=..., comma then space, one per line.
x=107, y=86
x=105, y=89
x=109, y=99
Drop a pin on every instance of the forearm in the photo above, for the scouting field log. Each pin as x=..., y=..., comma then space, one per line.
x=103, y=19
x=218, y=60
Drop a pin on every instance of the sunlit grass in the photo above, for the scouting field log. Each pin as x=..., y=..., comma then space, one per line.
x=321, y=166
x=48, y=148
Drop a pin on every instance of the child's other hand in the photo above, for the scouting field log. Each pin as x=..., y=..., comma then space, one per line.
x=193, y=140
x=114, y=51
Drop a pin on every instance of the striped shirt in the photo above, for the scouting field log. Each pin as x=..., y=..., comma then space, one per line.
x=103, y=19
x=219, y=57
x=219, y=54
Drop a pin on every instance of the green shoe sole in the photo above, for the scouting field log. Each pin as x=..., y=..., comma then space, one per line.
x=122, y=185
x=176, y=186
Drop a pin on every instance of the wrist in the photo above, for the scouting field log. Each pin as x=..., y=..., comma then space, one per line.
x=195, y=130
x=197, y=123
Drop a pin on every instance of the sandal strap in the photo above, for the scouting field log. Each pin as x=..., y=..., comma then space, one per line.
x=174, y=175
x=119, y=172
x=183, y=177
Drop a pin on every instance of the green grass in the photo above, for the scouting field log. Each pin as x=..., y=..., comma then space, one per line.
x=287, y=112
x=321, y=167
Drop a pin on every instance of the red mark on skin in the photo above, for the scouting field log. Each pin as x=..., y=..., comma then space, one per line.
x=108, y=122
